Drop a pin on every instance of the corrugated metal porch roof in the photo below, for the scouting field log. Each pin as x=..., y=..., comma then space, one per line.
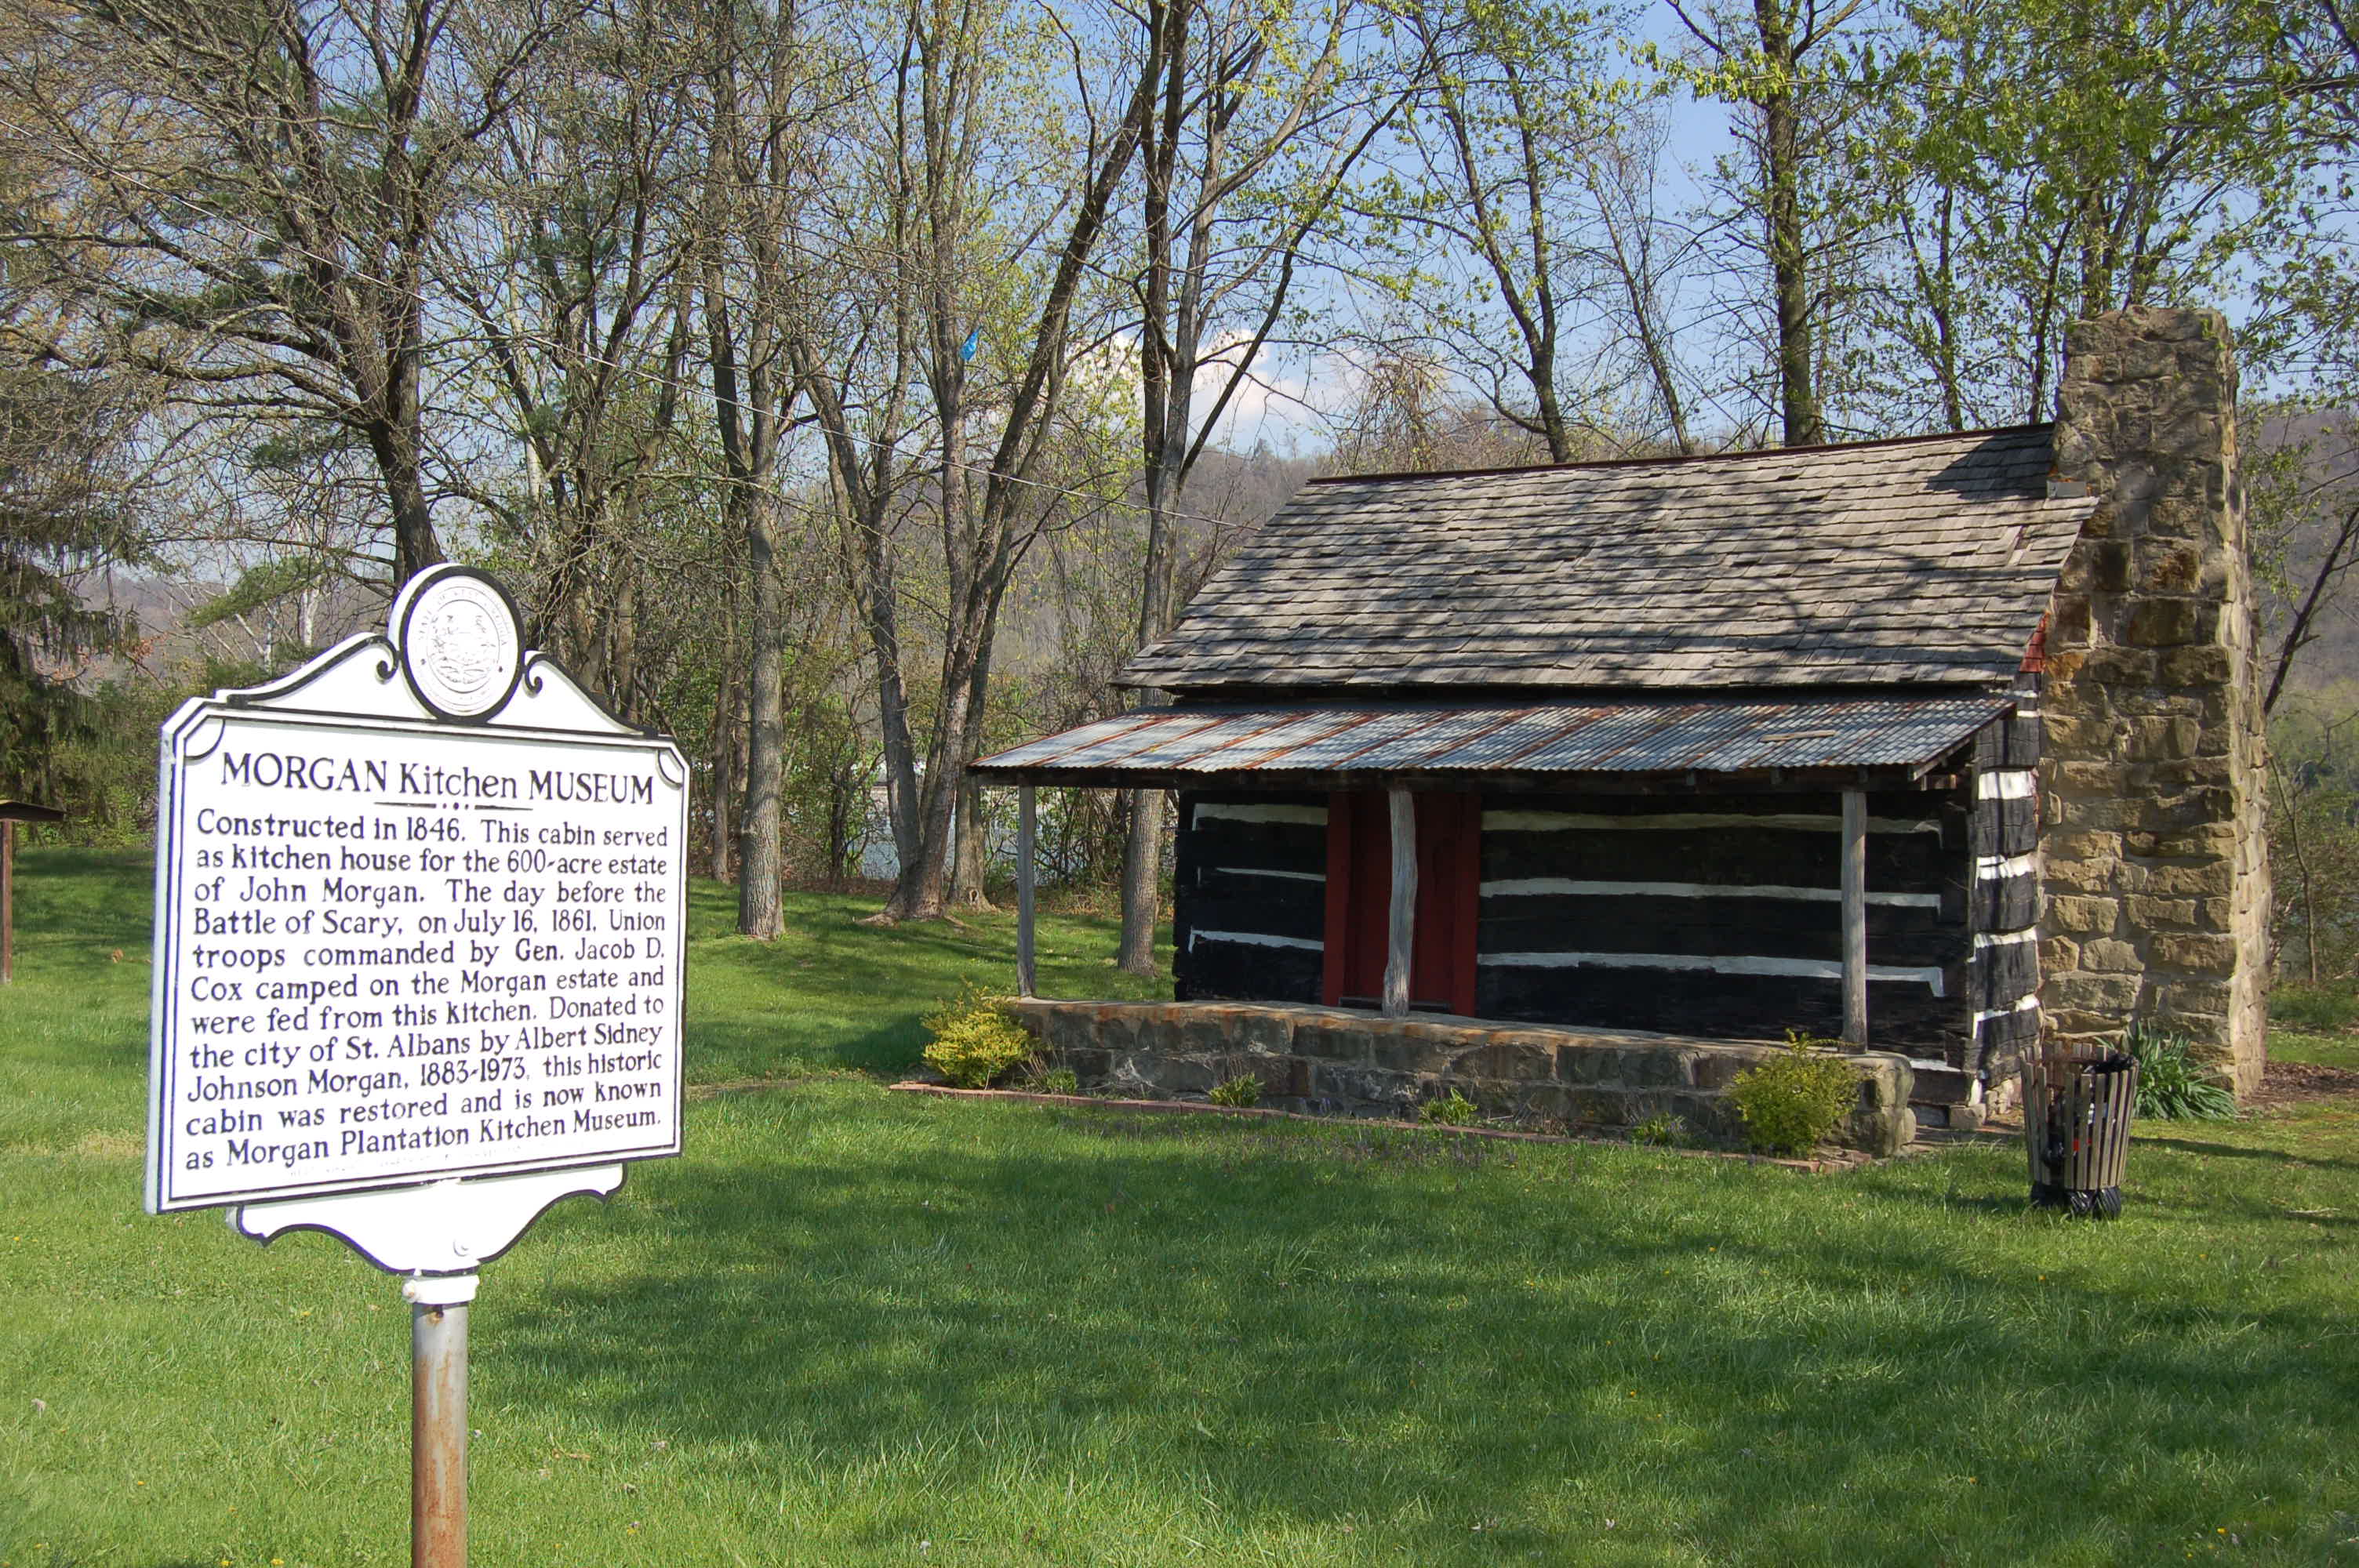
x=1538, y=743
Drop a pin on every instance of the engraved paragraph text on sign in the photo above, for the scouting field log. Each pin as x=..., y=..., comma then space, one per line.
x=401, y=953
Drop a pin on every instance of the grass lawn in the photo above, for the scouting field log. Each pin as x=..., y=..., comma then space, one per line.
x=851, y=1327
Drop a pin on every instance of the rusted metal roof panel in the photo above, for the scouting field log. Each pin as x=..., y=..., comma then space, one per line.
x=1631, y=736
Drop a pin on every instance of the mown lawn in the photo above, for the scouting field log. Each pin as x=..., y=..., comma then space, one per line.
x=853, y=1328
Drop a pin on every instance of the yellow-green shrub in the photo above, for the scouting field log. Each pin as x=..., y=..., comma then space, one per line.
x=1242, y=1090
x=1792, y=1101
x=1454, y=1110
x=975, y=1039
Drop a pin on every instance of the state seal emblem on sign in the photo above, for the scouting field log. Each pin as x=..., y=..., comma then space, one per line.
x=460, y=642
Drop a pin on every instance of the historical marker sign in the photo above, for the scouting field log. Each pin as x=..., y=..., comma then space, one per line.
x=419, y=920
x=420, y=916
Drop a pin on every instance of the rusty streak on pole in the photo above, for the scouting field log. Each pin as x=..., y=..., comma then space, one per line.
x=437, y=1434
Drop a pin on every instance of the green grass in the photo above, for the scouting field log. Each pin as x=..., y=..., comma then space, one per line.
x=851, y=1327
x=2332, y=1006
x=2337, y=1048
x=834, y=993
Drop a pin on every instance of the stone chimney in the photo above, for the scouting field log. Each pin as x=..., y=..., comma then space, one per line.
x=2154, y=855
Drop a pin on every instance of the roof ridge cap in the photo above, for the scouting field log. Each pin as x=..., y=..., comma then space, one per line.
x=1392, y=476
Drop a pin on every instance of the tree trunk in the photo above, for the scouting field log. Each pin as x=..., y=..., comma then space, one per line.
x=892, y=696
x=1782, y=172
x=967, y=884
x=759, y=868
x=415, y=545
x=1142, y=882
x=923, y=891
x=1142, y=848
x=726, y=707
x=844, y=797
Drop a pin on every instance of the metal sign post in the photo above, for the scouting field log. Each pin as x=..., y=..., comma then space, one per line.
x=419, y=962
x=438, y=1420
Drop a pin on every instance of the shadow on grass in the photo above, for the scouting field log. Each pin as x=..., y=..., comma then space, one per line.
x=2187, y=1145
x=1318, y=1327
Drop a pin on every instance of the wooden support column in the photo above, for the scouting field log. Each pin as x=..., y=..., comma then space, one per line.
x=1854, y=915
x=1027, y=978
x=1401, y=934
x=8, y=903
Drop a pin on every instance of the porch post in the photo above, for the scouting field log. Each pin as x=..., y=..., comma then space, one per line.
x=1028, y=980
x=1854, y=915
x=1402, y=934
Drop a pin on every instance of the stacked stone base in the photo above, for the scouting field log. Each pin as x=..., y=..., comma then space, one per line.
x=1338, y=1061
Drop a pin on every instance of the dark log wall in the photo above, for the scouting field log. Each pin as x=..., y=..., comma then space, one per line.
x=1703, y=915
x=1723, y=915
x=1251, y=875
x=2006, y=906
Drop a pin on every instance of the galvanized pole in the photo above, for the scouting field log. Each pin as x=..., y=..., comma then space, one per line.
x=1027, y=974
x=438, y=1420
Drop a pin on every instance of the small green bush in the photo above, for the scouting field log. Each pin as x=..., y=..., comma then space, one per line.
x=1660, y=1130
x=2314, y=1007
x=1059, y=1081
x=1794, y=1099
x=2170, y=1087
x=1454, y=1111
x=1242, y=1089
x=975, y=1039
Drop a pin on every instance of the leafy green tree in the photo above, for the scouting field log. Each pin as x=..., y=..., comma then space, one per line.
x=63, y=515
x=2053, y=159
x=254, y=189
x=1258, y=123
x=67, y=508
x=1517, y=103
x=1791, y=69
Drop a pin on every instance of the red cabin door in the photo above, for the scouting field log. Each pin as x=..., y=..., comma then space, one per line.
x=1359, y=900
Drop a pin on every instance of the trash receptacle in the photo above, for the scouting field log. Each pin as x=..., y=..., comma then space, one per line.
x=2077, y=1102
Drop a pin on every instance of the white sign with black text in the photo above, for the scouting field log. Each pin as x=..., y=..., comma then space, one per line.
x=420, y=916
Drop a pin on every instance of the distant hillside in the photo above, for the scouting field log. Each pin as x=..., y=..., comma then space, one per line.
x=2306, y=508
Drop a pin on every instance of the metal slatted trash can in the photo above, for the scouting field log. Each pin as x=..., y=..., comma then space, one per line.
x=2077, y=1102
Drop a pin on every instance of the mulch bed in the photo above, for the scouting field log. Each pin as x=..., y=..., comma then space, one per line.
x=2286, y=1085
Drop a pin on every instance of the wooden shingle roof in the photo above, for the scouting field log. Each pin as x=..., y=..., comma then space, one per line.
x=1924, y=561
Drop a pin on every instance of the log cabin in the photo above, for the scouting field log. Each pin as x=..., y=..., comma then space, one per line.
x=1929, y=744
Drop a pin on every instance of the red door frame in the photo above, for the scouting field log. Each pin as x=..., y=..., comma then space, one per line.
x=1358, y=895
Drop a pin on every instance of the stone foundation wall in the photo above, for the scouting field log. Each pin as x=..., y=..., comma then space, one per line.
x=2155, y=862
x=1340, y=1061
